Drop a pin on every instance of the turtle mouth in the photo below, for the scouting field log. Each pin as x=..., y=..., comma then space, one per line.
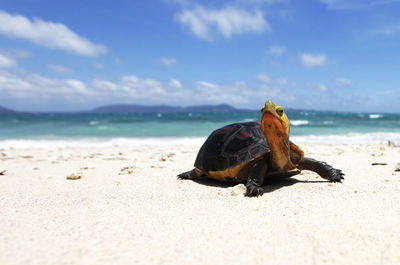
x=269, y=117
x=274, y=120
x=273, y=127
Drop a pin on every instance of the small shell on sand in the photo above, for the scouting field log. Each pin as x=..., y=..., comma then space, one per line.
x=378, y=164
x=392, y=143
x=87, y=167
x=64, y=156
x=397, y=167
x=168, y=156
x=238, y=190
x=126, y=170
x=157, y=166
x=74, y=176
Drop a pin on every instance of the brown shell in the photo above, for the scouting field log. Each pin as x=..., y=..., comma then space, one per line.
x=231, y=146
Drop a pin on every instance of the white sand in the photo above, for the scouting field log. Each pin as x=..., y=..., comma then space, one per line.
x=147, y=216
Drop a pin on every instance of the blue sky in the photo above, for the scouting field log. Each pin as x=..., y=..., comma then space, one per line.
x=320, y=54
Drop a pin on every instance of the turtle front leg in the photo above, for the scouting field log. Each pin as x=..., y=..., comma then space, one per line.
x=256, y=178
x=323, y=169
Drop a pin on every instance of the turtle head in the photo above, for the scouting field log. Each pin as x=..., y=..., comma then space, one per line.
x=274, y=119
x=276, y=127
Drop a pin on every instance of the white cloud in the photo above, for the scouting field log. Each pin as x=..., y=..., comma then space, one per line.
x=280, y=82
x=168, y=61
x=232, y=93
x=390, y=92
x=34, y=86
x=276, y=50
x=19, y=54
x=6, y=62
x=355, y=4
x=102, y=85
x=274, y=88
x=205, y=85
x=343, y=82
x=312, y=60
x=130, y=88
x=204, y=23
x=322, y=88
x=139, y=88
x=47, y=34
x=264, y=78
x=77, y=86
x=389, y=30
x=10, y=83
x=175, y=83
x=60, y=69
x=274, y=93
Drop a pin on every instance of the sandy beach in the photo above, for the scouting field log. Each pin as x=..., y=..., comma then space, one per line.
x=124, y=205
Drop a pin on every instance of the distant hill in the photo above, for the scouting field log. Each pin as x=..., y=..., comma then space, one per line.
x=127, y=108
x=163, y=109
x=6, y=111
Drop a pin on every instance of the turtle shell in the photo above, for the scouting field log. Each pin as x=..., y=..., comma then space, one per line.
x=231, y=146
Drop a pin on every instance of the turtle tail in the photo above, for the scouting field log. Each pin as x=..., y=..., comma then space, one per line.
x=192, y=174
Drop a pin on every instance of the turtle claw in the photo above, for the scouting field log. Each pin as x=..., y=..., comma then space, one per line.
x=336, y=175
x=330, y=173
x=253, y=189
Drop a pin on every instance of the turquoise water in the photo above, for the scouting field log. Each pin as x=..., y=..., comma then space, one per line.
x=305, y=126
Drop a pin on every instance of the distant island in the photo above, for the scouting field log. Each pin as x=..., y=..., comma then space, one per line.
x=6, y=111
x=134, y=108
x=165, y=109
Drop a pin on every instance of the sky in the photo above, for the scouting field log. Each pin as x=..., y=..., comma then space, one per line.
x=341, y=55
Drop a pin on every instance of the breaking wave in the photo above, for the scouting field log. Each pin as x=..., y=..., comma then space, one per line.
x=375, y=116
x=350, y=138
x=299, y=122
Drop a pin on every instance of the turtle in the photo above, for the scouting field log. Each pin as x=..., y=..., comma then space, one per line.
x=251, y=152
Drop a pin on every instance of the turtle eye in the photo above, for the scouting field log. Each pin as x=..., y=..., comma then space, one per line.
x=279, y=110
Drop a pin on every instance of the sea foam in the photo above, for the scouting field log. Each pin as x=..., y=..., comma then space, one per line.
x=299, y=122
x=375, y=116
x=350, y=138
x=96, y=142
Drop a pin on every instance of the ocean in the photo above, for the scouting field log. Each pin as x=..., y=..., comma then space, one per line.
x=62, y=130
